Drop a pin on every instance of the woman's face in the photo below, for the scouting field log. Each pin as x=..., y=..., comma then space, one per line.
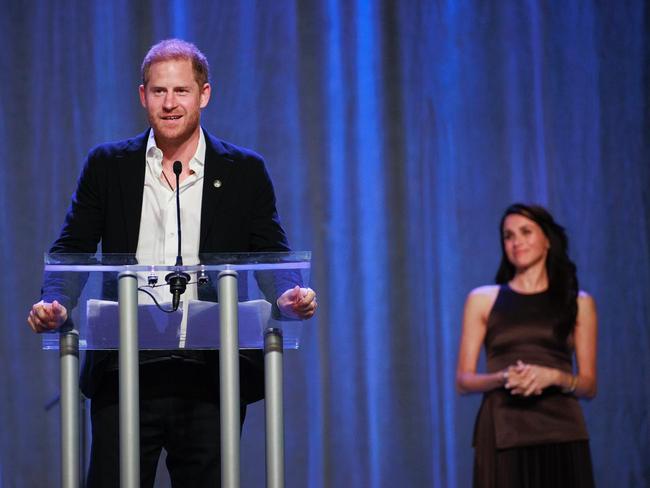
x=524, y=242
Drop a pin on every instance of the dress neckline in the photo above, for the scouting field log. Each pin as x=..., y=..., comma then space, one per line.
x=533, y=294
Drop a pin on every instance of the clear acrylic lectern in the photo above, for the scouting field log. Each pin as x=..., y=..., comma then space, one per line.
x=118, y=302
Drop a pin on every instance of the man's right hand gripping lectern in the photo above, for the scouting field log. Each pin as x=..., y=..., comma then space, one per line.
x=120, y=302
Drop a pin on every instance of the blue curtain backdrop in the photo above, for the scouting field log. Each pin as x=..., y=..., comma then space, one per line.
x=396, y=133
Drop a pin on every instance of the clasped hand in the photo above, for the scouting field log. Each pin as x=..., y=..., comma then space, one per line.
x=298, y=303
x=44, y=316
x=528, y=379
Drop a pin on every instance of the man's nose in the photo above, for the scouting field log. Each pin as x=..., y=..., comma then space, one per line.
x=170, y=101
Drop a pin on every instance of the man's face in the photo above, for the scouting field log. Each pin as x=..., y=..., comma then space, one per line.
x=173, y=100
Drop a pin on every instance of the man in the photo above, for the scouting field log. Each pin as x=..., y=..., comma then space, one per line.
x=125, y=200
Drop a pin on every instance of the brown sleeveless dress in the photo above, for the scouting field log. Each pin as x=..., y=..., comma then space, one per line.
x=537, y=441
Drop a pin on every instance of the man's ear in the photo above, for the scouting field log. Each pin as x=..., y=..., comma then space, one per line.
x=206, y=90
x=143, y=100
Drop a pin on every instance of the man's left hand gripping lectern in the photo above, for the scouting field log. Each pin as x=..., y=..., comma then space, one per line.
x=111, y=303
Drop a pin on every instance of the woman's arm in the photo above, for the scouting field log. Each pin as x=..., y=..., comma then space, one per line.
x=477, y=308
x=586, y=341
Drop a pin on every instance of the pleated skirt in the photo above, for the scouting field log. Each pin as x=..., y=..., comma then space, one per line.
x=566, y=464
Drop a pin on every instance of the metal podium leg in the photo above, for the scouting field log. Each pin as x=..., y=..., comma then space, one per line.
x=69, y=353
x=274, y=408
x=129, y=382
x=229, y=379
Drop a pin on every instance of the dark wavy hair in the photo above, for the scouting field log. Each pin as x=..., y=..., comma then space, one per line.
x=562, y=276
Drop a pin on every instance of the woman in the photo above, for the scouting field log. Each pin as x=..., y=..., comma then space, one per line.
x=530, y=431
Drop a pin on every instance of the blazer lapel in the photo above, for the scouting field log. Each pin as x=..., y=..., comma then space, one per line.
x=217, y=169
x=131, y=167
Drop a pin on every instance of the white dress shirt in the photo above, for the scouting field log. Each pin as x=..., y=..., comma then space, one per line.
x=157, y=240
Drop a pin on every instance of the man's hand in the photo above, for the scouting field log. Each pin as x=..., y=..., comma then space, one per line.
x=45, y=317
x=298, y=303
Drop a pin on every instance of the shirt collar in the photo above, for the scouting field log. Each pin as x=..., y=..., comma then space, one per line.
x=154, y=155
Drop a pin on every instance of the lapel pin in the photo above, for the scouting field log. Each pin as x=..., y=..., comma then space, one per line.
x=217, y=183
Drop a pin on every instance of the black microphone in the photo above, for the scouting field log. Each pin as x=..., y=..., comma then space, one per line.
x=178, y=167
x=177, y=280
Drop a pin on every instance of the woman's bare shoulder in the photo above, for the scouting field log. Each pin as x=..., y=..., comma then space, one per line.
x=480, y=301
x=483, y=297
x=485, y=291
x=586, y=301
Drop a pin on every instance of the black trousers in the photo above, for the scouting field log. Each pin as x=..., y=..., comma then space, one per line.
x=179, y=412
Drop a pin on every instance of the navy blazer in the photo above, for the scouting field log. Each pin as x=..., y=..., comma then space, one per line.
x=237, y=216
